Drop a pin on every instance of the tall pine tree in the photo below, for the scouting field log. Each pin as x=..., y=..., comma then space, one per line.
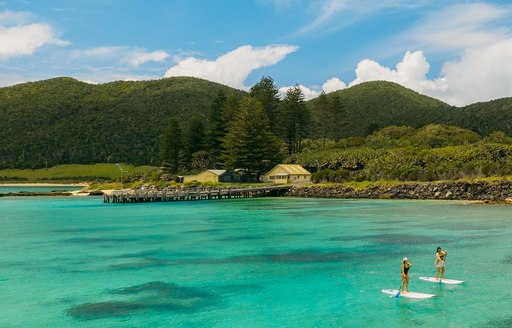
x=266, y=92
x=249, y=144
x=195, y=143
x=229, y=110
x=294, y=120
x=216, y=128
x=171, y=147
x=321, y=117
x=338, y=116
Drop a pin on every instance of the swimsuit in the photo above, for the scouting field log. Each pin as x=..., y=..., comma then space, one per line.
x=440, y=264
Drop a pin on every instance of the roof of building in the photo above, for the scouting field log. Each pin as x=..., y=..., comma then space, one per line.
x=292, y=169
x=217, y=172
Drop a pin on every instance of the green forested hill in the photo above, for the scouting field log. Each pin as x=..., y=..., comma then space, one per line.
x=371, y=106
x=485, y=117
x=62, y=120
x=379, y=104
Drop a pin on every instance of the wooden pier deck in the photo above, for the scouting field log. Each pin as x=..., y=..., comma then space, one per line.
x=129, y=196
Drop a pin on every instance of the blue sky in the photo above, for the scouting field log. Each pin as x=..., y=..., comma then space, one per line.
x=456, y=51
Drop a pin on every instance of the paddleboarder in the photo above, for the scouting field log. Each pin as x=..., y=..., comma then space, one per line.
x=406, y=265
x=439, y=263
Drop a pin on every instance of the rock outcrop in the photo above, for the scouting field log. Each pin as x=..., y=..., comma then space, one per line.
x=496, y=191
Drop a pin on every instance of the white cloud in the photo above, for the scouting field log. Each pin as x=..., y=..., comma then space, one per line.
x=140, y=57
x=126, y=55
x=479, y=32
x=18, y=38
x=333, y=84
x=9, y=18
x=460, y=26
x=410, y=72
x=481, y=74
x=307, y=92
x=234, y=67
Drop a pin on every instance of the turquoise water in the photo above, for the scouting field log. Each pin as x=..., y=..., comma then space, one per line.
x=76, y=262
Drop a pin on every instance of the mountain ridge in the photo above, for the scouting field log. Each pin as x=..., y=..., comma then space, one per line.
x=63, y=120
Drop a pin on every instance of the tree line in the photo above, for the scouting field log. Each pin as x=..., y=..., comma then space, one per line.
x=433, y=152
x=252, y=133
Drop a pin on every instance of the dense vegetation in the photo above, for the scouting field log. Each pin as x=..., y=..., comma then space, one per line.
x=375, y=130
x=64, y=121
x=433, y=152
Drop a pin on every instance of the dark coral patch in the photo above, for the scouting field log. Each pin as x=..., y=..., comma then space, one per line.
x=152, y=296
x=160, y=288
x=507, y=260
x=100, y=310
x=500, y=323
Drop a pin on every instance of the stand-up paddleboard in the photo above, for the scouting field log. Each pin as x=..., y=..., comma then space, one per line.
x=443, y=281
x=407, y=294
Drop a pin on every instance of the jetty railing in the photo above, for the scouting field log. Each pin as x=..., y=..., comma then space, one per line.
x=173, y=195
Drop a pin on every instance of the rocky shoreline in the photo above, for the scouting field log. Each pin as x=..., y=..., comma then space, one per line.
x=482, y=191
x=478, y=191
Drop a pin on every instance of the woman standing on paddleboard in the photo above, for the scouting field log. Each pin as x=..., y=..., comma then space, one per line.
x=439, y=262
x=406, y=265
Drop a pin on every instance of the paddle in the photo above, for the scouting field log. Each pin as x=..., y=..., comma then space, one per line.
x=399, y=288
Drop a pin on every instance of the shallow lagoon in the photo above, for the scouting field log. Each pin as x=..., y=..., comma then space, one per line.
x=257, y=263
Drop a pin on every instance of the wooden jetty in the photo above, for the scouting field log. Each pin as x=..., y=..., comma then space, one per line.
x=139, y=196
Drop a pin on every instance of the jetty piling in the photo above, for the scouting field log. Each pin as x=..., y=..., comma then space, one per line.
x=140, y=196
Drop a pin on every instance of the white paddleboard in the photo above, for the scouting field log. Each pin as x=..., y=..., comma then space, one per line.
x=443, y=281
x=409, y=294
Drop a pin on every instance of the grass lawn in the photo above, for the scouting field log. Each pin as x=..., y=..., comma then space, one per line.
x=72, y=173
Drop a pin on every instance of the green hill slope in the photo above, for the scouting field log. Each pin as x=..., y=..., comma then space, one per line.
x=486, y=117
x=370, y=106
x=62, y=120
